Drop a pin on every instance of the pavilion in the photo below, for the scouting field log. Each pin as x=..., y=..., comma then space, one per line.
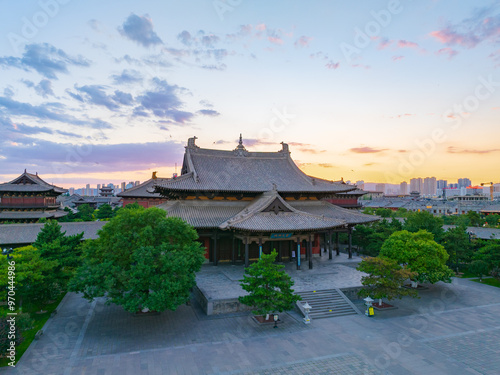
x=245, y=203
x=28, y=198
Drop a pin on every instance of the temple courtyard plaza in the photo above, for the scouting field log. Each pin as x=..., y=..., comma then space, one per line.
x=452, y=329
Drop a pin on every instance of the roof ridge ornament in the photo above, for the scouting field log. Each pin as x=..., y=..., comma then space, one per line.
x=191, y=142
x=240, y=150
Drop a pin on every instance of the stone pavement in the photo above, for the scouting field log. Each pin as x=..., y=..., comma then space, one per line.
x=223, y=281
x=451, y=329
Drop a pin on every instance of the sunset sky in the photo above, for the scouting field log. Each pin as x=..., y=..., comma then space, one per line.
x=109, y=91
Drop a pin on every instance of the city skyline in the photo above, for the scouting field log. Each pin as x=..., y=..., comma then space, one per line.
x=382, y=92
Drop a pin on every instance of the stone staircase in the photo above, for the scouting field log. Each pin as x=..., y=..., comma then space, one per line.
x=328, y=303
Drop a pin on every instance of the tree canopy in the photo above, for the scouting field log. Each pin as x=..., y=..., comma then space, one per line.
x=424, y=220
x=141, y=260
x=269, y=286
x=420, y=253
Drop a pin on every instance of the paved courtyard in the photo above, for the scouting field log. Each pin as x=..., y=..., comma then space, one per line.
x=452, y=329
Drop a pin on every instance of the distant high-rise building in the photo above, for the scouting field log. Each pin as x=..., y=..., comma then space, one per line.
x=464, y=182
x=442, y=184
x=380, y=188
x=137, y=183
x=87, y=190
x=430, y=186
x=403, y=188
x=416, y=185
x=98, y=188
x=360, y=184
x=71, y=190
x=123, y=186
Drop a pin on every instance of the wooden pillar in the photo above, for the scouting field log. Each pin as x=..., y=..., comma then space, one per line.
x=330, y=245
x=233, y=253
x=290, y=250
x=260, y=247
x=310, y=252
x=247, y=260
x=298, y=253
x=350, y=242
x=321, y=237
x=280, y=255
x=338, y=243
x=215, y=249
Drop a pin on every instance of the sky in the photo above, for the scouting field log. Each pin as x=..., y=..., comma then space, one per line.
x=383, y=91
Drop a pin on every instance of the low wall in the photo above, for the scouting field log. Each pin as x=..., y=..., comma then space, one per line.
x=220, y=306
x=352, y=292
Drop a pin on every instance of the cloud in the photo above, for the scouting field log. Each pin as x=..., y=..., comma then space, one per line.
x=209, y=40
x=59, y=158
x=24, y=130
x=447, y=51
x=384, y=43
x=367, y=150
x=123, y=98
x=45, y=59
x=397, y=58
x=303, y=41
x=43, y=112
x=208, y=112
x=95, y=94
x=163, y=102
x=127, y=77
x=481, y=26
x=275, y=40
x=455, y=150
x=8, y=92
x=140, y=30
x=185, y=37
x=407, y=44
x=326, y=165
x=44, y=88
x=332, y=65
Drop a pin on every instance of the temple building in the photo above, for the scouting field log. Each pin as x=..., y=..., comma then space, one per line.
x=28, y=198
x=245, y=203
x=143, y=194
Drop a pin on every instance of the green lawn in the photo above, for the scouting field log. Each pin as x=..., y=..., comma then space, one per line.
x=490, y=281
x=39, y=321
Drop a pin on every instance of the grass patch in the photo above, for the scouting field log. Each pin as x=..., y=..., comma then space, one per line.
x=490, y=281
x=39, y=321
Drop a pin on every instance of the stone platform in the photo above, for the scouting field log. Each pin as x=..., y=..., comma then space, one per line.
x=218, y=287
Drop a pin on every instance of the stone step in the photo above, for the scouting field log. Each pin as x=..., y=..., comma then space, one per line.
x=327, y=303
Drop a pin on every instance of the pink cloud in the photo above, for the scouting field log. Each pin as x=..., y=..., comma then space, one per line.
x=367, y=150
x=260, y=27
x=451, y=37
x=332, y=65
x=406, y=44
x=303, y=41
x=450, y=52
x=384, y=43
x=397, y=58
x=275, y=40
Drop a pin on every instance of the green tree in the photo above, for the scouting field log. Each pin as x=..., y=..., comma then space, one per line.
x=141, y=260
x=401, y=212
x=490, y=254
x=385, y=279
x=369, y=211
x=479, y=268
x=85, y=213
x=104, y=212
x=420, y=254
x=474, y=218
x=35, y=276
x=383, y=212
x=492, y=220
x=457, y=245
x=424, y=220
x=269, y=286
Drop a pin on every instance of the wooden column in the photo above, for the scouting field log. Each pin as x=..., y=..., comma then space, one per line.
x=310, y=252
x=298, y=253
x=260, y=247
x=215, y=249
x=338, y=243
x=247, y=260
x=233, y=253
x=330, y=245
x=280, y=255
x=350, y=242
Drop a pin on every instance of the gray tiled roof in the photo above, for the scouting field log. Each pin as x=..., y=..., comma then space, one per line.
x=480, y=232
x=37, y=185
x=254, y=218
x=26, y=233
x=31, y=215
x=203, y=214
x=330, y=210
x=144, y=190
x=243, y=171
